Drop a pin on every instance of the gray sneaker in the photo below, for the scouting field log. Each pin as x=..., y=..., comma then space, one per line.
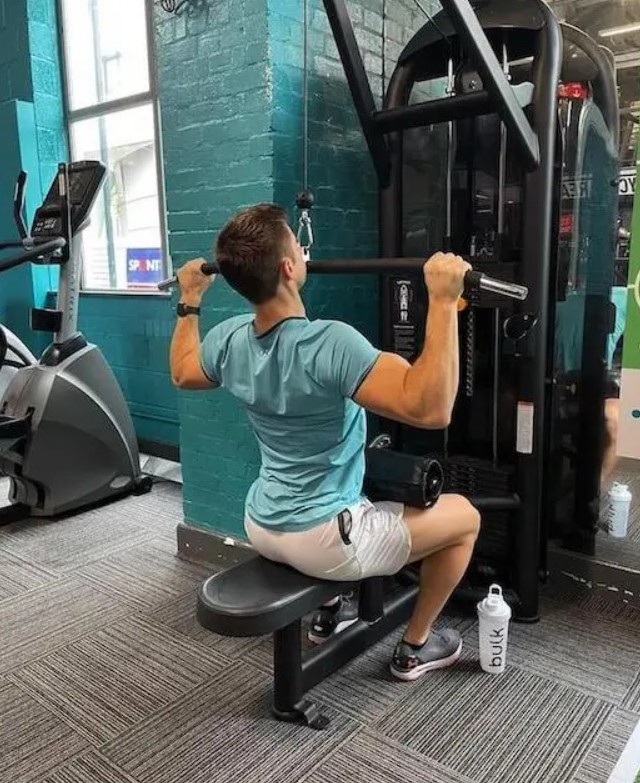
x=441, y=649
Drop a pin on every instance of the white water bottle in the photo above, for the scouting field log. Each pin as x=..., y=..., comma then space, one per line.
x=494, y=614
x=619, y=500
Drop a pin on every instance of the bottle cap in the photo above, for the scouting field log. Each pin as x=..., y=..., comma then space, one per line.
x=494, y=603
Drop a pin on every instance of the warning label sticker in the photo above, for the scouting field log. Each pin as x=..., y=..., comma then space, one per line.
x=524, y=438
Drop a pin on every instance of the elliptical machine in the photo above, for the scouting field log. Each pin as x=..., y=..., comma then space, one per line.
x=67, y=440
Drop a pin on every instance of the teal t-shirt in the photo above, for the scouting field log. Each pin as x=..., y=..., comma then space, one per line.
x=570, y=327
x=296, y=383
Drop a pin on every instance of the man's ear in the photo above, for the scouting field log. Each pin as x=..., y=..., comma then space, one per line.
x=287, y=265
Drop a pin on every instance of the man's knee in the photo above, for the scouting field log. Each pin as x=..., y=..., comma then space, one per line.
x=469, y=515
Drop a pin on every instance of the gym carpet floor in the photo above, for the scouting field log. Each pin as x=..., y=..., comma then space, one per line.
x=105, y=677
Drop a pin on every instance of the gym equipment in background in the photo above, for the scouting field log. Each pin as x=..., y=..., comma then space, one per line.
x=67, y=440
x=14, y=355
x=477, y=150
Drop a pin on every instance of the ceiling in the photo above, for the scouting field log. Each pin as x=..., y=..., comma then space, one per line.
x=601, y=19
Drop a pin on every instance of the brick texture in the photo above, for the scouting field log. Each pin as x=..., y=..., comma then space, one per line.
x=215, y=85
x=231, y=96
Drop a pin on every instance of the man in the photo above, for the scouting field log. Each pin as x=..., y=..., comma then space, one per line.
x=612, y=400
x=305, y=386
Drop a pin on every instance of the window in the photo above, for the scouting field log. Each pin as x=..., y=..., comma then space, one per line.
x=112, y=115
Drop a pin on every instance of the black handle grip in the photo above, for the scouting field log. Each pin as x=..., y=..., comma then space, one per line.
x=472, y=281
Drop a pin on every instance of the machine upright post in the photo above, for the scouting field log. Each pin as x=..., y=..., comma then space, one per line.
x=69, y=282
x=536, y=253
x=498, y=249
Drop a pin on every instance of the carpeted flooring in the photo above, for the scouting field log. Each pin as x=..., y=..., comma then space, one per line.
x=105, y=677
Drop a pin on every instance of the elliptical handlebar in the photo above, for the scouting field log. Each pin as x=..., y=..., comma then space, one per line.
x=11, y=243
x=41, y=250
x=473, y=280
x=18, y=205
x=18, y=216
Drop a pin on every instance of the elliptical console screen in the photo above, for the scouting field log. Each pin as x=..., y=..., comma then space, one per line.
x=85, y=180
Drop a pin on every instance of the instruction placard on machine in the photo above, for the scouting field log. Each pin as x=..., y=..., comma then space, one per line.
x=404, y=318
x=524, y=432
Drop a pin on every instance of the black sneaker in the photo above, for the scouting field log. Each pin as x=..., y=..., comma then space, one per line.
x=441, y=649
x=330, y=620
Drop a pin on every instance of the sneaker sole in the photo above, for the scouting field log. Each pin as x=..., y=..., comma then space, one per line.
x=414, y=674
x=339, y=627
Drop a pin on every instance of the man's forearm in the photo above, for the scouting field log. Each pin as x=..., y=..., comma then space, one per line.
x=432, y=382
x=185, y=343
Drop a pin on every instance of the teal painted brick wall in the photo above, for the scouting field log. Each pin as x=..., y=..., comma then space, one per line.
x=23, y=287
x=18, y=134
x=230, y=89
x=215, y=85
x=15, y=68
x=134, y=334
x=51, y=139
x=340, y=170
x=15, y=87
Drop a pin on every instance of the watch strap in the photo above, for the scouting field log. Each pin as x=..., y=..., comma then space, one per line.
x=185, y=309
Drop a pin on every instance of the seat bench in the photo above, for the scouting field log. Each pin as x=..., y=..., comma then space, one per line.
x=261, y=597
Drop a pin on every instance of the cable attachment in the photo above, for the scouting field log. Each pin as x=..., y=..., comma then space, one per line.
x=304, y=202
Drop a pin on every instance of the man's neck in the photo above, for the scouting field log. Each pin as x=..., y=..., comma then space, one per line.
x=278, y=309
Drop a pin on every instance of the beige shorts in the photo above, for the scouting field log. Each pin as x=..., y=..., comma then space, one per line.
x=378, y=544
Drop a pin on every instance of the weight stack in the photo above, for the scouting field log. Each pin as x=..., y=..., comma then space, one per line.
x=474, y=477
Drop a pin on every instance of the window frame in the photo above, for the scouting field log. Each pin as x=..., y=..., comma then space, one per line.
x=147, y=98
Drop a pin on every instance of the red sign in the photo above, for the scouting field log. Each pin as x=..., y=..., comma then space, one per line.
x=566, y=223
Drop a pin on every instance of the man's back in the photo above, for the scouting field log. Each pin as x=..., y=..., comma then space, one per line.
x=296, y=382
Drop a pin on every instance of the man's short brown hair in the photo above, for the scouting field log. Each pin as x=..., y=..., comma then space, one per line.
x=249, y=250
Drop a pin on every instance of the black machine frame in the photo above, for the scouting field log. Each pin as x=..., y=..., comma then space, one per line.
x=536, y=142
x=535, y=137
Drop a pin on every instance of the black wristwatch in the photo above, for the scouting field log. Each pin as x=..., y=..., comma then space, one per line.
x=185, y=309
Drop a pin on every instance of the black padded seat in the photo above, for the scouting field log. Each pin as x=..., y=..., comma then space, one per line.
x=260, y=597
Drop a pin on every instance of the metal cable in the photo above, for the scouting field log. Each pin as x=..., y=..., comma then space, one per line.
x=384, y=50
x=305, y=98
x=433, y=22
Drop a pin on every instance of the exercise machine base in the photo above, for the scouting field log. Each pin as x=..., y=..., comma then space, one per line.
x=19, y=512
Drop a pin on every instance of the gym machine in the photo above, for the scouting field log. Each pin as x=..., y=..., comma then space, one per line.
x=14, y=355
x=67, y=440
x=519, y=176
x=522, y=182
